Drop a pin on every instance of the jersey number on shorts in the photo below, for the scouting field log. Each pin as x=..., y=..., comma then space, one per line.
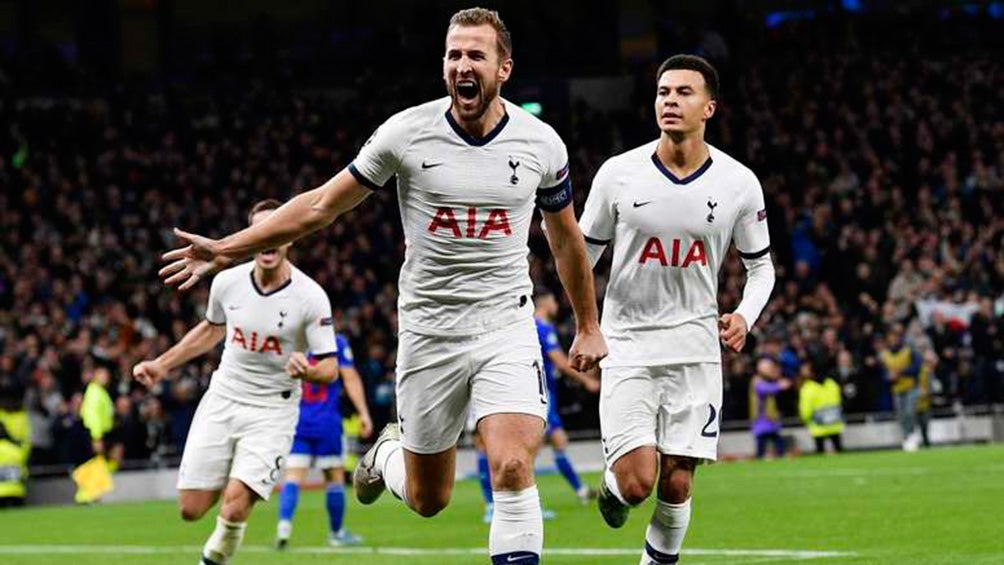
x=540, y=382
x=711, y=420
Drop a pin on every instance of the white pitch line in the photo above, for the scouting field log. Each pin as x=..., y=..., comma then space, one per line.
x=768, y=554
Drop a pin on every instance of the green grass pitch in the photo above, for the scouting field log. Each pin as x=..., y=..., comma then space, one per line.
x=944, y=506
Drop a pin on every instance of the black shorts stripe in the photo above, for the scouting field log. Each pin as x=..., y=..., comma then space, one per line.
x=755, y=254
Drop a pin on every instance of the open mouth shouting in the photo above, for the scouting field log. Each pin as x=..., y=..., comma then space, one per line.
x=467, y=92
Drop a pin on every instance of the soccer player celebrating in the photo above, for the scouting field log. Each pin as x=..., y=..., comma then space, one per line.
x=671, y=208
x=270, y=312
x=469, y=169
x=319, y=440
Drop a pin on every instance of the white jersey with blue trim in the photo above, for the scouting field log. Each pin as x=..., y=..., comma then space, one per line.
x=466, y=207
x=263, y=329
x=670, y=236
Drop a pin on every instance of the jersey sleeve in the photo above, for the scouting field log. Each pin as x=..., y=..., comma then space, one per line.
x=380, y=157
x=346, y=360
x=215, y=313
x=750, y=232
x=320, y=326
x=555, y=190
x=599, y=216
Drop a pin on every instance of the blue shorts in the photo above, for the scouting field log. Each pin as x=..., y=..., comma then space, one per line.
x=324, y=451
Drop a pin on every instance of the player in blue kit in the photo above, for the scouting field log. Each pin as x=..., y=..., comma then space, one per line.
x=319, y=441
x=555, y=361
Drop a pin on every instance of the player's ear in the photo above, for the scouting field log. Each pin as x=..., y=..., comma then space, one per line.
x=709, y=109
x=505, y=69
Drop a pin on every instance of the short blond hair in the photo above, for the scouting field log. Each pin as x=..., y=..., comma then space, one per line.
x=473, y=17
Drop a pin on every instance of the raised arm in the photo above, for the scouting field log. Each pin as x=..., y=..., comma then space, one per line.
x=301, y=215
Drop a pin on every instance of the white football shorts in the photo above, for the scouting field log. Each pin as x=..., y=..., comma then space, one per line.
x=229, y=439
x=438, y=377
x=675, y=408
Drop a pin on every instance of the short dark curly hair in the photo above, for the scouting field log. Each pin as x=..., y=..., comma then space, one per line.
x=263, y=206
x=693, y=63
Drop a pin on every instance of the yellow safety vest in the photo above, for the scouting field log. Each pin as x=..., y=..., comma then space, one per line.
x=819, y=405
x=14, y=454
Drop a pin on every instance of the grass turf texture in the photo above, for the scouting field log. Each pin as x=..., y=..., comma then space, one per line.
x=940, y=506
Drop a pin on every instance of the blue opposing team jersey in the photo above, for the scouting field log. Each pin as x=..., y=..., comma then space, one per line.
x=548, y=338
x=321, y=404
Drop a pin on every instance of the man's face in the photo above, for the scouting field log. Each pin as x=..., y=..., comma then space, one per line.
x=473, y=70
x=548, y=306
x=270, y=258
x=682, y=102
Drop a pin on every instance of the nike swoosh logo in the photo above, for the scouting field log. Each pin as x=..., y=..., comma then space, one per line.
x=640, y=204
x=520, y=557
x=233, y=307
x=430, y=165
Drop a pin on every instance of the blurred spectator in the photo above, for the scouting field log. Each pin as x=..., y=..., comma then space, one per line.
x=764, y=388
x=902, y=367
x=15, y=442
x=98, y=412
x=820, y=407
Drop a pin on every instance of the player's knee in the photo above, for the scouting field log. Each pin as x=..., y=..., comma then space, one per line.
x=636, y=489
x=513, y=473
x=235, y=511
x=428, y=504
x=675, y=489
x=190, y=511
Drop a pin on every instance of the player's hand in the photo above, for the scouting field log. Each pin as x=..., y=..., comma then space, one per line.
x=365, y=426
x=297, y=366
x=733, y=330
x=587, y=349
x=149, y=373
x=197, y=260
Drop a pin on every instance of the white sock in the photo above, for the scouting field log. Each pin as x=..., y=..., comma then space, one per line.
x=517, y=531
x=665, y=532
x=284, y=529
x=611, y=480
x=223, y=542
x=389, y=460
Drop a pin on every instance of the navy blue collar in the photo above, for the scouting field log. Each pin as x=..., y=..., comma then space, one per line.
x=476, y=141
x=685, y=180
x=254, y=283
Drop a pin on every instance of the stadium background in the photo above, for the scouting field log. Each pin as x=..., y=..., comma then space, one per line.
x=875, y=127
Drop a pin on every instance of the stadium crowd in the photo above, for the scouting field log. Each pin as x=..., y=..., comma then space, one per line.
x=883, y=173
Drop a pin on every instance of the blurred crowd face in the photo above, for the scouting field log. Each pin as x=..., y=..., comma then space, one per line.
x=547, y=306
x=768, y=369
x=270, y=258
x=473, y=69
x=682, y=102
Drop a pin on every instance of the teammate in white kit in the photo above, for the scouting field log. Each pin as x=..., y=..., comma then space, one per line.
x=469, y=169
x=270, y=313
x=671, y=208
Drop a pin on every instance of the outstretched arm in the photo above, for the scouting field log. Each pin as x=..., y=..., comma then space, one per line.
x=574, y=269
x=301, y=215
x=198, y=341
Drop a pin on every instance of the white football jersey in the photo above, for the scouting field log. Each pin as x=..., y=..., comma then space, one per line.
x=466, y=207
x=263, y=329
x=670, y=237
